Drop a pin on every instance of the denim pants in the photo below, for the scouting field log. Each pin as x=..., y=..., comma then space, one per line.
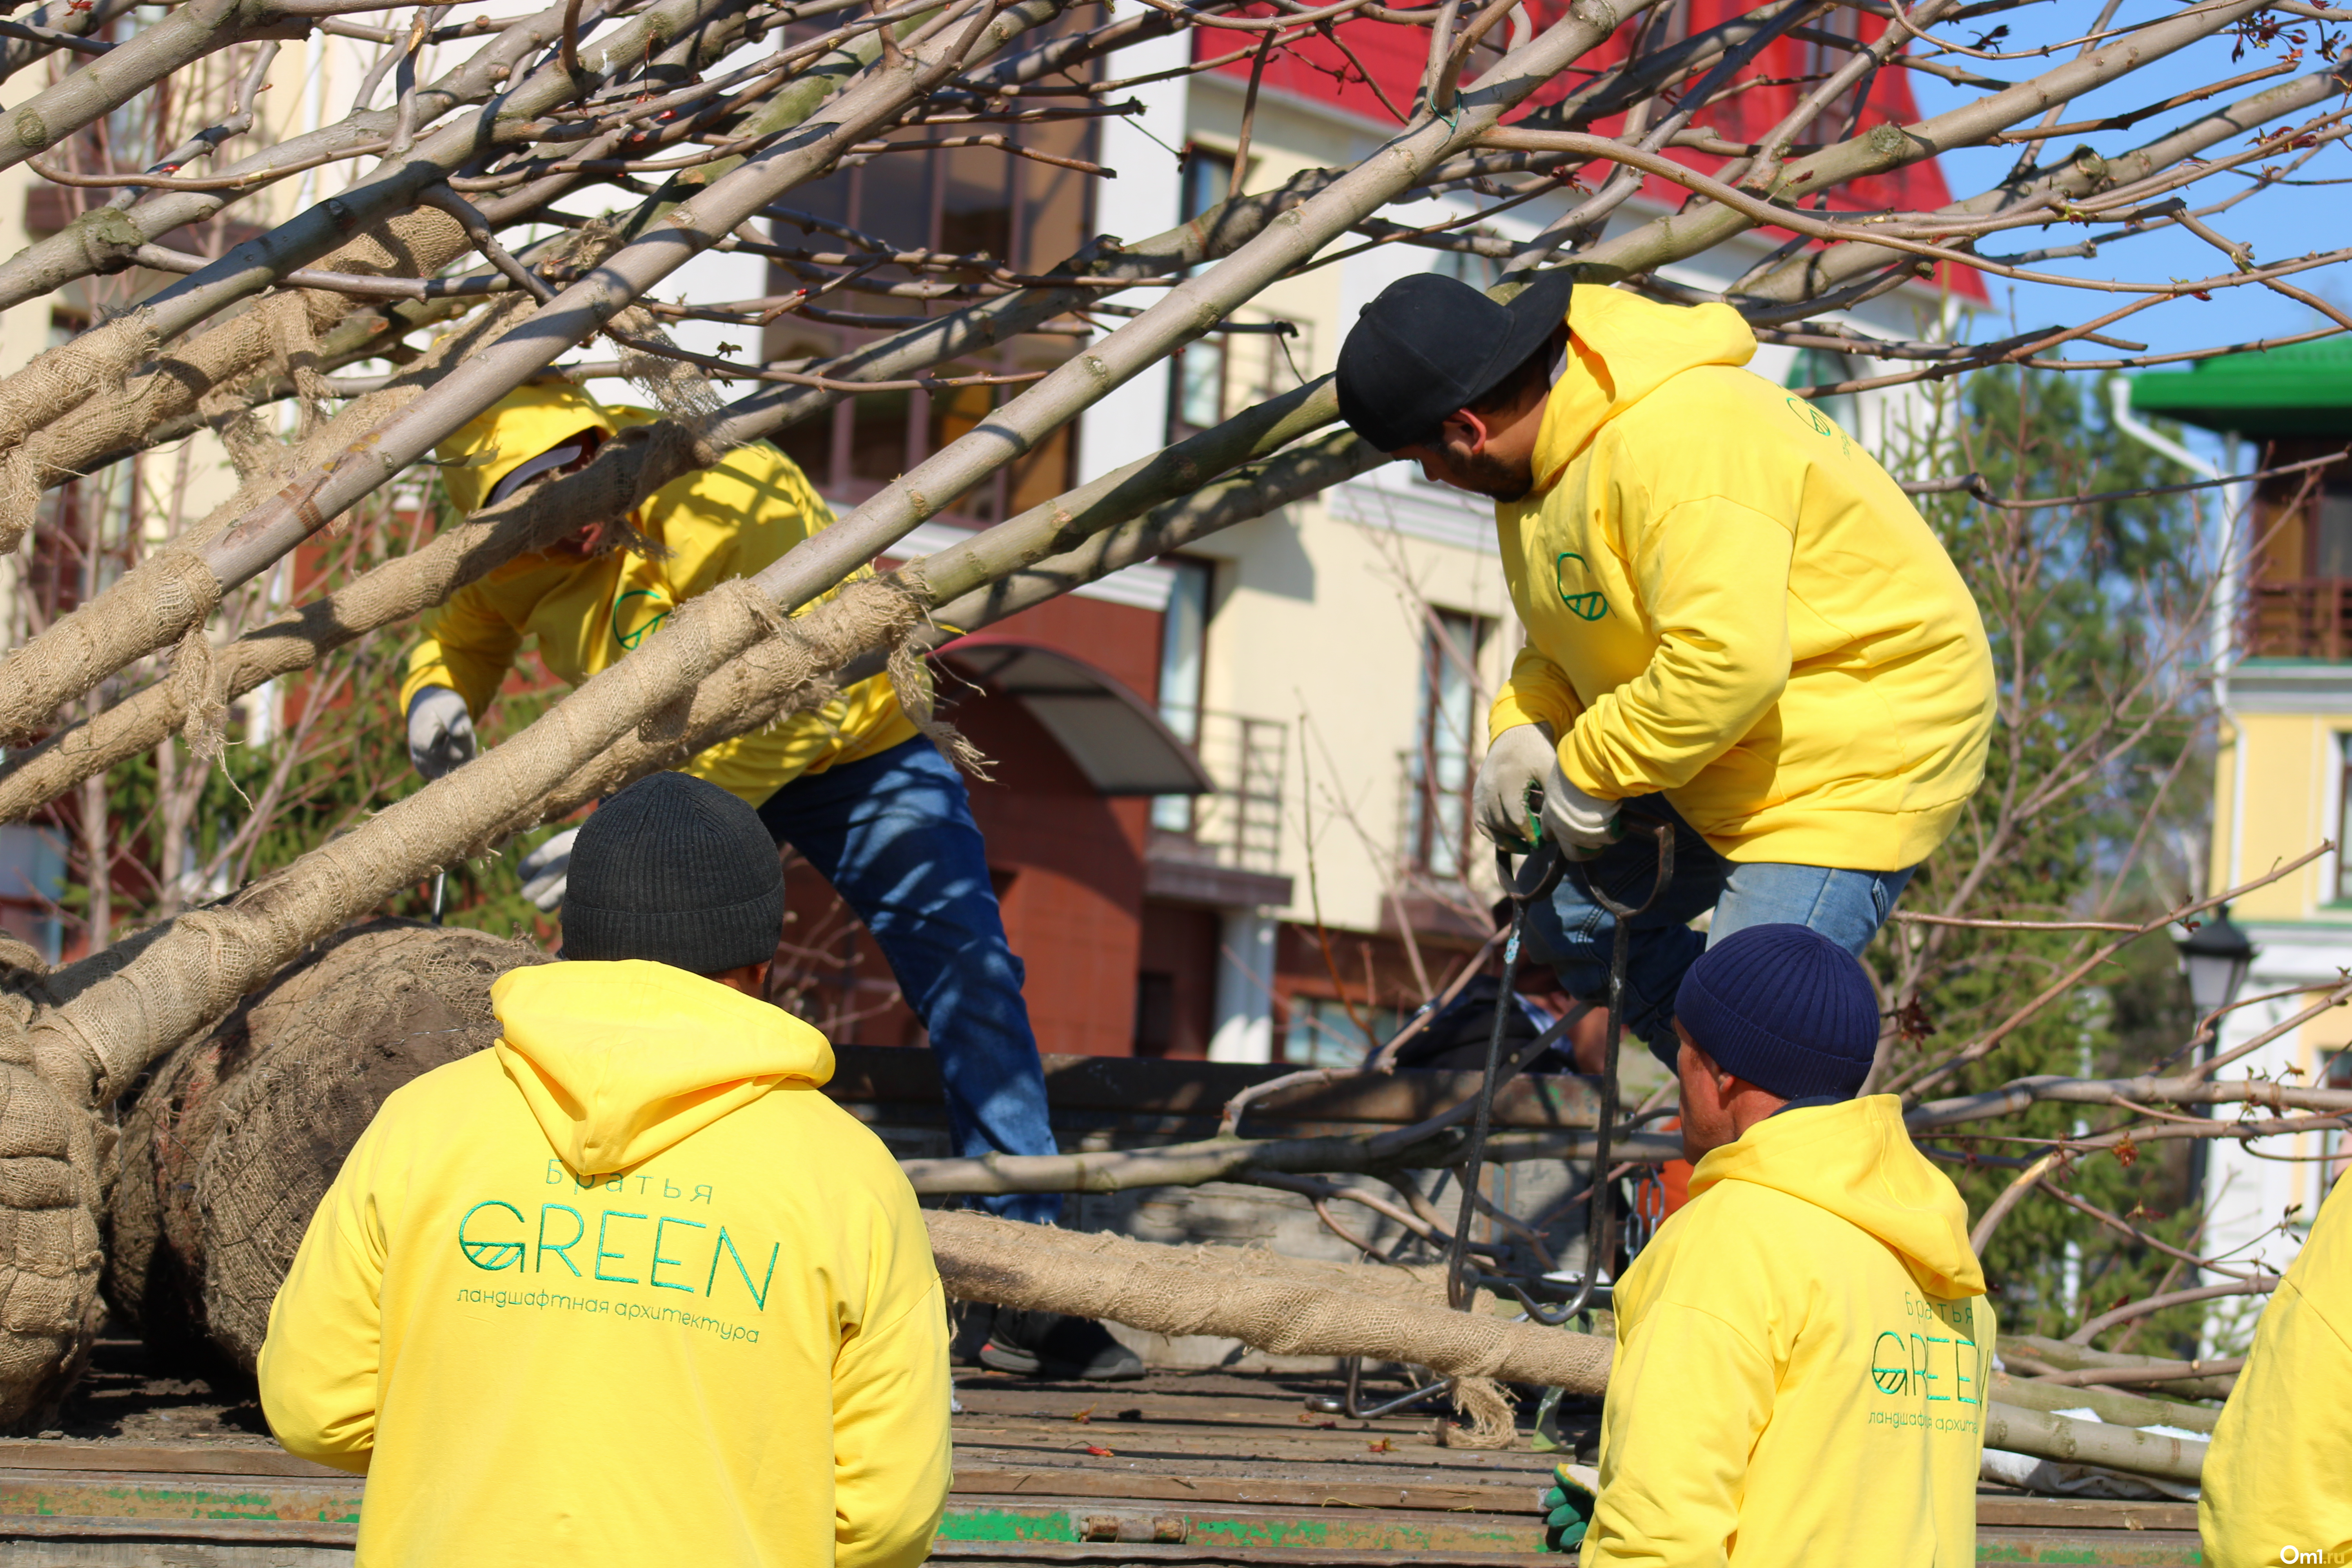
x=1574, y=935
x=893, y=833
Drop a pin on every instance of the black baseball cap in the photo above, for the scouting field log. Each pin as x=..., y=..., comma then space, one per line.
x=1431, y=345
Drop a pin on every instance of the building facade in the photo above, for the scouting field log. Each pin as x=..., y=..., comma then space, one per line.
x=2282, y=686
x=1228, y=804
x=1329, y=665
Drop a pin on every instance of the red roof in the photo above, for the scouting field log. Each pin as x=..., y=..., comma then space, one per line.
x=1315, y=68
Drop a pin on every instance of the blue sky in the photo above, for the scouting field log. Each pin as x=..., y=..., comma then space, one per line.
x=2280, y=222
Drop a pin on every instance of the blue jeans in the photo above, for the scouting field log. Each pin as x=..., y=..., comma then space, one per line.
x=1574, y=935
x=893, y=833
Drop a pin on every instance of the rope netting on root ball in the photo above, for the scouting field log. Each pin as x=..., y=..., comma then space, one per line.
x=230, y=1146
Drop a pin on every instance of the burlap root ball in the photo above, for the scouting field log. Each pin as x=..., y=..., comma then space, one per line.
x=234, y=1139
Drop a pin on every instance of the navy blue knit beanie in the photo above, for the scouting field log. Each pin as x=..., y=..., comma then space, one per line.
x=1784, y=1007
x=674, y=869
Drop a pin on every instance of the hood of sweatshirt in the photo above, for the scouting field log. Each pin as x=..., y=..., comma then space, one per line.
x=1857, y=1161
x=618, y=1061
x=1621, y=348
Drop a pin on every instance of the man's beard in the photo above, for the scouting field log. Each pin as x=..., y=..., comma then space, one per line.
x=1483, y=473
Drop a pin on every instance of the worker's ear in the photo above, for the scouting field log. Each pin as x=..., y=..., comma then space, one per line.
x=1463, y=433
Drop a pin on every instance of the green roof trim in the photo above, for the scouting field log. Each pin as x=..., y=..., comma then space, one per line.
x=2304, y=389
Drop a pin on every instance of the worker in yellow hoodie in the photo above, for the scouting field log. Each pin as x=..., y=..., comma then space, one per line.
x=1737, y=624
x=625, y=1288
x=1804, y=1348
x=2277, y=1483
x=873, y=806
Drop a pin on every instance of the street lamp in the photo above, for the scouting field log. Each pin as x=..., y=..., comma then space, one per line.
x=2215, y=957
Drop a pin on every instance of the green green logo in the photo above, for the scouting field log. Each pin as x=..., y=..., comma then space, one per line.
x=642, y=629
x=1820, y=423
x=1584, y=602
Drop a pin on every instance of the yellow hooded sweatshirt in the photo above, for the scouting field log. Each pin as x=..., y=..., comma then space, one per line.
x=549, y=1311
x=1802, y=1354
x=1726, y=599
x=728, y=521
x=2279, y=1475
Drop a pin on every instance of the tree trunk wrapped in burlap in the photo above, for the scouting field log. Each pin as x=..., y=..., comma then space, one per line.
x=50, y=1154
x=1288, y=1306
x=232, y=1141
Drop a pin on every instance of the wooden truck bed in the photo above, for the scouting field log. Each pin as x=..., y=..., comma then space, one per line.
x=1194, y=1467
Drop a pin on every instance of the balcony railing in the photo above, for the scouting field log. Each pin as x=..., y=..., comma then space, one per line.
x=2305, y=618
x=1238, y=827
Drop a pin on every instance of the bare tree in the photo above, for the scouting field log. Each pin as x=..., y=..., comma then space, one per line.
x=730, y=105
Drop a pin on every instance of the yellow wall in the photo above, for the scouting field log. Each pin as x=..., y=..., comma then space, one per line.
x=2289, y=762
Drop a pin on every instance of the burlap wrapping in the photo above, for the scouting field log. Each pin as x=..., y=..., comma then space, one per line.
x=1282, y=1305
x=210, y=373
x=787, y=673
x=232, y=1141
x=193, y=969
x=55, y=384
x=49, y=1162
x=261, y=472
x=169, y=596
x=151, y=607
x=681, y=390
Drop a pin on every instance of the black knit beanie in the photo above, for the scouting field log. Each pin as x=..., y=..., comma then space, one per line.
x=1784, y=1007
x=674, y=869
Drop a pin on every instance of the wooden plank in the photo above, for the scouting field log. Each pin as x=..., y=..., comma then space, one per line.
x=1240, y=1527
x=190, y=1459
x=2104, y=1548
x=1266, y=1491
x=271, y=1533
x=210, y=1499
x=2082, y=1513
x=1044, y=1552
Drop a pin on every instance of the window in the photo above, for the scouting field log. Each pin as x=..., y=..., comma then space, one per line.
x=2342, y=817
x=1155, y=1013
x=1196, y=396
x=1439, y=770
x=964, y=202
x=1208, y=175
x=1183, y=638
x=1197, y=400
x=2331, y=534
x=1321, y=1034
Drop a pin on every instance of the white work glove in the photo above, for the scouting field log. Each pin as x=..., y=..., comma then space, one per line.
x=546, y=869
x=440, y=732
x=1516, y=760
x=1580, y=824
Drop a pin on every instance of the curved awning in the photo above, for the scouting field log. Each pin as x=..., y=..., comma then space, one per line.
x=1116, y=738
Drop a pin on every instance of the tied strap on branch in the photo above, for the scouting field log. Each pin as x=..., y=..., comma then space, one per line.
x=791, y=669
x=910, y=672
x=796, y=663
x=200, y=690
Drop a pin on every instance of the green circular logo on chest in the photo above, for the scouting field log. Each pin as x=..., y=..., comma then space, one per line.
x=637, y=612
x=1573, y=575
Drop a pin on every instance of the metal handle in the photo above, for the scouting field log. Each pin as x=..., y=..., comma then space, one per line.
x=1532, y=879
x=1600, y=1235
